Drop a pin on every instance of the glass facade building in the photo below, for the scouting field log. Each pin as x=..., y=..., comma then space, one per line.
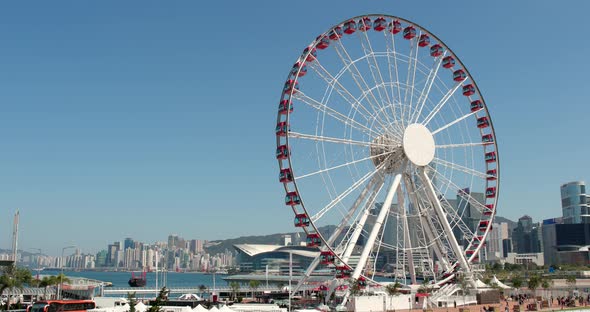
x=575, y=203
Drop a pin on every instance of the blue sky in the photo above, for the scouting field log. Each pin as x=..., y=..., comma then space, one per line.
x=141, y=119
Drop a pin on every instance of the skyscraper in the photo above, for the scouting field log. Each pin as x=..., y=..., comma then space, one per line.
x=575, y=203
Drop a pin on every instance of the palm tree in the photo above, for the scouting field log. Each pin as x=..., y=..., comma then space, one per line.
x=235, y=288
x=48, y=281
x=571, y=281
x=14, y=277
x=253, y=286
x=202, y=289
x=546, y=283
x=392, y=290
x=534, y=282
x=516, y=282
x=131, y=300
x=355, y=287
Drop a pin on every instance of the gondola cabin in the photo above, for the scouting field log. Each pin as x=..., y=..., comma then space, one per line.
x=335, y=33
x=301, y=220
x=292, y=199
x=285, y=175
x=282, y=128
x=480, y=238
x=459, y=75
x=285, y=106
x=343, y=272
x=490, y=157
x=488, y=210
x=313, y=240
x=492, y=175
x=487, y=139
x=424, y=40
x=483, y=225
x=436, y=50
x=297, y=71
x=476, y=105
x=448, y=62
x=282, y=152
x=365, y=24
x=468, y=90
x=491, y=192
x=476, y=258
x=362, y=282
x=379, y=24
x=469, y=252
x=291, y=86
x=409, y=32
x=349, y=27
x=327, y=257
x=322, y=42
x=483, y=122
x=395, y=27
x=313, y=53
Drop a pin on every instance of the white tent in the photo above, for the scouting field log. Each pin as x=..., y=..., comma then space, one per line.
x=189, y=297
x=186, y=309
x=225, y=309
x=214, y=309
x=200, y=308
x=140, y=307
x=496, y=281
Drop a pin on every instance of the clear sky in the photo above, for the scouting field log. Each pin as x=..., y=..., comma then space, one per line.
x=145, y=118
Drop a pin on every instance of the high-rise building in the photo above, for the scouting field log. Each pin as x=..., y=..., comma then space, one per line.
x=575, y=203
x=525, y=237
x=496, y=237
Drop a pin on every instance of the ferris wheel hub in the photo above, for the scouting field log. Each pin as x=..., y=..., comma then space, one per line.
x=418, y=144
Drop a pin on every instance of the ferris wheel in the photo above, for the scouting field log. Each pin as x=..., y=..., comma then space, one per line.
x=387, y=153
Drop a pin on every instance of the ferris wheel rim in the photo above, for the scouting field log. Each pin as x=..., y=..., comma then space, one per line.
x=295, y=77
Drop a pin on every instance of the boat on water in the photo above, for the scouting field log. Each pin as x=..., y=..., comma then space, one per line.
x=137, y=281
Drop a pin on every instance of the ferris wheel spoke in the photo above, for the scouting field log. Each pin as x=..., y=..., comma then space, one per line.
x=411, y=78
x=344, y=165
x=391, y=52
x=470, y=144
x=441, y=103
x=344, y=194
x=335, y=114
x=319, y=138
x=359, y=80
x=457, y=167
x=345, y=93
x=431, y=193
x=427, y=87
x=374, y=68
x=453, y=122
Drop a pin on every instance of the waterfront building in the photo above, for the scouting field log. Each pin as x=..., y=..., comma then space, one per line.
x=575, y=203
x=275, y=258
x=566, y=243
x=525, y=258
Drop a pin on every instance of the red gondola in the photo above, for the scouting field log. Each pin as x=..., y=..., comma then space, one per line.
x=476, y=105
x=343, y=272
x=327, y=257
x=335, y=33
x=312, y=55
x=468, y=90
x=362, y=282
x=313, y=240
x=282, y=128
x=379, y=24
x=488, y=210
x=490, y=157
x=301, y=220
x=483, y=225
x=487, y=139
x=469, y=252
x=323, y=42
x=491, y=192
x=291, y=85
x=292, y=199
x=448, y=62
x=480, y=238
x=296, y=67
x=424, y=40
x=282, y=152
x=350, y=27
x=394, y=27
x=459, y=75
x=482, y=122
x=365, y=24
x=286, y=176
x=285, y=106
x=492, y=174
x=409, y=32
x=436, y=50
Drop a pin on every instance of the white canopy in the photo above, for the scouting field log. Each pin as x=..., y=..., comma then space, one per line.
x=214, y=309
x=200, y=308
x=189, y=297
x=140, y=307
x=225, y=309
x=496, y=281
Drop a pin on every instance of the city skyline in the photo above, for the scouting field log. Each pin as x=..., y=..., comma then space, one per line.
x=147, y=122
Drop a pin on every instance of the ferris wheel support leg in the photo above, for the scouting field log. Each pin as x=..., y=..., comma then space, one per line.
x=431, y=193
x=429, y=226
x=407, y=239
x=376, y=228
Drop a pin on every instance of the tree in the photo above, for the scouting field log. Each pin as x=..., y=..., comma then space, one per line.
x=254, y=284
x=202, y=289
x=534, y=282
x=570, y=280
x=392, y=290
x=14, y=277
x=516, y=281
x=463, y=284
x=235, y=288
x=546, y=283
x=355, y=287
x=48, y=281
x=131, y=300
x=160, y=301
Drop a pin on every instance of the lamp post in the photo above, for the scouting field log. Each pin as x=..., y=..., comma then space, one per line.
x=61, y=276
